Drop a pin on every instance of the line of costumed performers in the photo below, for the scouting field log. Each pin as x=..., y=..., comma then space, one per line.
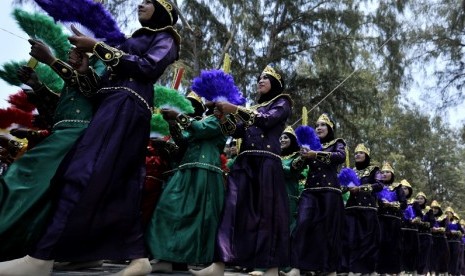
x=99, y=163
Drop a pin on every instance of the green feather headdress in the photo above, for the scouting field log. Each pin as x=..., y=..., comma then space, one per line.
x=165, y=97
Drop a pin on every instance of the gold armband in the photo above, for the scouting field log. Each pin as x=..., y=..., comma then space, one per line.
x=298, y=163
x=183, y=120
x=228, y=127
x=64, y=70
x=88, y=83
x=107, y=54
x=246, y=115
x=366, y=188
x=324, y=157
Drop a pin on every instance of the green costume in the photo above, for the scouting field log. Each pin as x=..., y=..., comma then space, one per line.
x=184, y=225
x=25, y=188
x=292, y=177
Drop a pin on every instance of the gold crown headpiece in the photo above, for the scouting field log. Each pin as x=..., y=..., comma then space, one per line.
x=168, y=7
x=194, y=96
x=421, y=194
x=449, y=209
x=325, y=119
x=289, y=130
x=405, y=183
x=362, y=148
x=435, y=204
x=270, y=71
x=387, y=167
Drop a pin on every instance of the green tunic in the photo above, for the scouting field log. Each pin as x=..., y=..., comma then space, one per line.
x=25, y=188
x=292, y=177
x=184, y=224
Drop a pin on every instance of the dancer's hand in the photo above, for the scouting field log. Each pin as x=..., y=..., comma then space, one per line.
x=41, y=52
x=226, y=108
x=83, y=43
x=79, y=61
x=169, y=114
x=28, y=76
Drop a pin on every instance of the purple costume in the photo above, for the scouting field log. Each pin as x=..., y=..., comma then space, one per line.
x=316, y=239
x=98, y=184
x=254, y=231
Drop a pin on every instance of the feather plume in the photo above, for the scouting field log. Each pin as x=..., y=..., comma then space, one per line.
x=347, y=177
x=409, y=213
x=20, y=101
x=44, y=72
x=387, y=194
x=12, y=115
x=216, y=85
x=158, y=126
x=306, y=137
x=165, y=97
x=304, y=116
x=88, y=13
x=43, y=27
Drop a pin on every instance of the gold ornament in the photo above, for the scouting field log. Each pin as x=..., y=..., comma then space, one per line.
x=325, y=119
x=227, y=63
x=304, y=116
x=270, y=71
x=387, y=167
x=362, y=148
x=289, y=130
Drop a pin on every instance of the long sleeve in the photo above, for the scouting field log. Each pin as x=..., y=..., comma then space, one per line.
x=151, y=64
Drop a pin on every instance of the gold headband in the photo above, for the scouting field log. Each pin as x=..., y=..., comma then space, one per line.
x=325, y=119
x=270, y=71
x=405, y=183
x=387, y=167
x=362, y=148
x=168, y=7
x=422, y=194
x=194, y=96
x=289, y=130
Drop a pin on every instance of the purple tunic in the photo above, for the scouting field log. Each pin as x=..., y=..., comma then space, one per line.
x=97, y=212
x=254, y=231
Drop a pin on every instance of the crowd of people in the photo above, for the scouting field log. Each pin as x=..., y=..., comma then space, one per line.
x=231, y=186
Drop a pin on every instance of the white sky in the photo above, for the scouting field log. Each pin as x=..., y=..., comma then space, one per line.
x=14, y=48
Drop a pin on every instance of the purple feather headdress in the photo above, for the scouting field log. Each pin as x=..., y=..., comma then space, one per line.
x=92, y=15
x=347, y=177
x=306, y=137
x=387, y=194
x=216, y=85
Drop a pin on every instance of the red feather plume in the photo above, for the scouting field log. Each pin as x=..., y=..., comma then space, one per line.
x=13, y=115
x=20, y=101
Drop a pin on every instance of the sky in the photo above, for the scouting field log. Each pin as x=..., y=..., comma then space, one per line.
x=14, y=48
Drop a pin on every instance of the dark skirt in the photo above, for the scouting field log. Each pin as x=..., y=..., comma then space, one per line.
x=361, y=235
x=254, y=231
x=390, y=248
x=454, y=260
x=317, y=237
x=426, y=243
x=97, y=212
x=410, y=249
x=439, y=260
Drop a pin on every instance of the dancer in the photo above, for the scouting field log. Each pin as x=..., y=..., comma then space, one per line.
x=254, y=230
x=316, y=239
x=97, y=212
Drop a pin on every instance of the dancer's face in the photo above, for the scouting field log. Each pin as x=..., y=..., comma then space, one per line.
x=321, y=129
x=285, y=141
x=145, y=11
